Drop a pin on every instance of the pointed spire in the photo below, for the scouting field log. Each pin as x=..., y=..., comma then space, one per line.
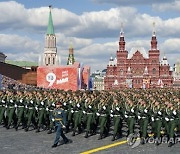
x=154, y=40
x=154, y=29
x=50, y=29
x=121, y=32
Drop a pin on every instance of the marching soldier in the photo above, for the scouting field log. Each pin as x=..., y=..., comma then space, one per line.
x=60, y=122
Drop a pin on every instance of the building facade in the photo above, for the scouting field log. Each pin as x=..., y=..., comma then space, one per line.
x=137, y=68
x=176, y=75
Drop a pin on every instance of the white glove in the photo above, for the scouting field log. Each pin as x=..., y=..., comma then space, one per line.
x=47, y=109
x=97, y=114
x=53, y=104
x=6, y=106
x=104, y=107
x=84, y=112
x=53, y=119
x=42, y=103
x=145, y=110
x=15, y=105
x=3, y=101
x=70, y=101
x=31, y=102
x=139, y=117
x=21, y=100
x=152, y=118
x=159, y=112
x=36, y=108
x=63, y=126
x=11, y=101
x=117, y=108
x=167, y=119
x=65, y=104
x=125, y=116
x=132, y=110
x=72, y=111
x=111, y=115
x=90, y=106
x=174, y=112
x=111, y=111
x=26, y=107
x=78, y=105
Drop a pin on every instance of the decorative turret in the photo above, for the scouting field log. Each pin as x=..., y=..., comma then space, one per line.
x=164, y=61
x=111, y=61
x=71, y=59
x=146, y=71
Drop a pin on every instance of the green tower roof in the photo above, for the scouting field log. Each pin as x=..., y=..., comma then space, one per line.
x=50, y=29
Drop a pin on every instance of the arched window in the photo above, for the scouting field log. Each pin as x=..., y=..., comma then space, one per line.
x=121, y=71
x=154, y=71
x=53, y=61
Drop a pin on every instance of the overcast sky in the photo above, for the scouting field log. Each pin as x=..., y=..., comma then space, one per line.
x=93, y=26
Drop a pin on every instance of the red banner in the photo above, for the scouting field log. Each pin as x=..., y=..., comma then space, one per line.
x=58, y=77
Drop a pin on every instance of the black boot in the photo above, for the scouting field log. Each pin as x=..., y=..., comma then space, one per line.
x=86, y=135
x=73, y=134
x=16, y=127
x=114, y=138
x=170, y=144
x=49, y=132
x=100, y=136
x=38, y=130
x=54, y=145
x=26, y=129
x=7, y=127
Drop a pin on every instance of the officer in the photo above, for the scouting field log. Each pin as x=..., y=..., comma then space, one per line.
x=60, y=122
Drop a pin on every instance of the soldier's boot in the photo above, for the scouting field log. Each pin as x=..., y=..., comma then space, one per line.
x=100, y=136
x=8, y=126
x=54, y=145
x=38, y=130
x=142, y=140
x=158, y=142
x=26, y=129
x=16, y=127
x=114, y=138
x=171, y=142
x=74, y=133
x=86, y=135
x=50, y=131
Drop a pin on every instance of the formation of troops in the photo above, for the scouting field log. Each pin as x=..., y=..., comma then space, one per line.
x=147, y=111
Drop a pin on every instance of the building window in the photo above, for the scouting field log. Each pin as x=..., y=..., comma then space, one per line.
x=154, y=71
x=49, y=60
x=53, y=61
x=121, y=71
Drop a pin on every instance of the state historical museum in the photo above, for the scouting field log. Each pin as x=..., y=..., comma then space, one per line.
x=138, y=69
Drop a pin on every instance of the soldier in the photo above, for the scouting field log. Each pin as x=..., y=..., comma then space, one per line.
x=116, y=113
x=89, y=111
x=11, y=109
x=77, y=116
x=143, y=118
x=156, y=119
x=130, y=116
x=3, y=106
x=31, y=103
x=103, y=113
x=20, y=111
x=60, y=121
x=170, y=118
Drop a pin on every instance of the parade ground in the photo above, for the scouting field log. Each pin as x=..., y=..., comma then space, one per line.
x=21, y=142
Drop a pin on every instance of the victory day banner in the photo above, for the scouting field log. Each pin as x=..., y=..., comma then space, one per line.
x=58, y=77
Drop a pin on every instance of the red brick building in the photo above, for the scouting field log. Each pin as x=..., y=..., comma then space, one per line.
x=138, y=69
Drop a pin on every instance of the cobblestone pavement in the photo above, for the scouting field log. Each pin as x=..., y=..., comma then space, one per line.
x=21, y=142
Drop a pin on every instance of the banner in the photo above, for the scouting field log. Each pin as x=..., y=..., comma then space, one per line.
x=0, y=81
x=58, y=77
